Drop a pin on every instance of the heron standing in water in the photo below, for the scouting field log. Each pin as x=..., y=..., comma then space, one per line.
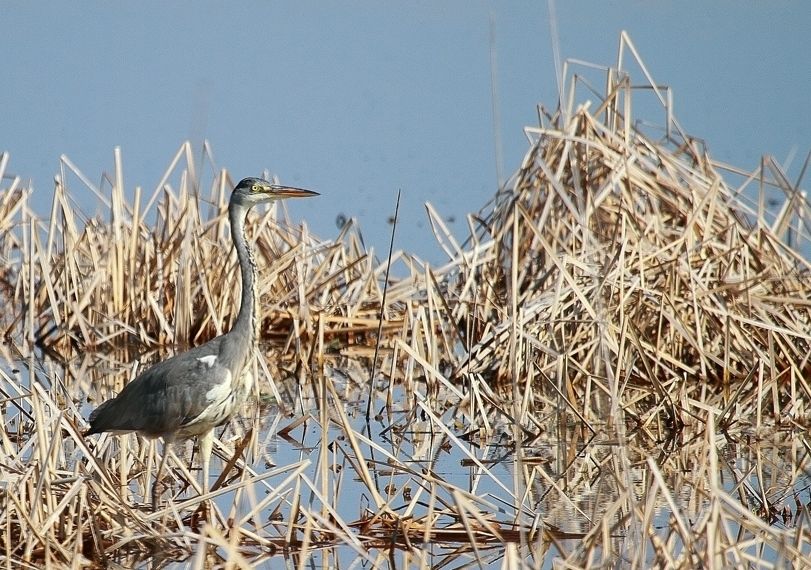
x=195, y=391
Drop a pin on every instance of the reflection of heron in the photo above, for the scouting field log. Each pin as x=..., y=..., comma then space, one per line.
x=195, y=391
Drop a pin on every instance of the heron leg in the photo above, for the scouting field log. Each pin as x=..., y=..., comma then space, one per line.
x=206, y=445
x=157, y=486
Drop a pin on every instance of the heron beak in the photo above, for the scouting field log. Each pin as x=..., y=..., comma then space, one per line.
x=290, y=192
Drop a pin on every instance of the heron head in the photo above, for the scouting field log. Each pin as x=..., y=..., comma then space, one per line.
x=252, y=191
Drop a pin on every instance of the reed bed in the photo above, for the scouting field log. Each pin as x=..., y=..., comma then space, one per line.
x=610, y=369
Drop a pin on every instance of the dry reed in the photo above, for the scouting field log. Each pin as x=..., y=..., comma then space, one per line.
x=610, y=369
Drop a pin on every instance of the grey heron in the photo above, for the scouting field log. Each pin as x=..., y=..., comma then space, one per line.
x=195, y=391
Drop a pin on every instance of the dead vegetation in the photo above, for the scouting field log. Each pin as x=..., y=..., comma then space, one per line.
x=610, y=369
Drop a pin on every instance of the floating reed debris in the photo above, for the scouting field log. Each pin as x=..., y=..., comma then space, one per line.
x=609, y=370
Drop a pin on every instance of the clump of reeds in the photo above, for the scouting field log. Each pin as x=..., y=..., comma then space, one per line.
x=618, y=265
x=617, y=321
x=158, y=270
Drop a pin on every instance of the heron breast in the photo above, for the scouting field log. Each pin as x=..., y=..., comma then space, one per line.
x=220, y=402
x=221, y=391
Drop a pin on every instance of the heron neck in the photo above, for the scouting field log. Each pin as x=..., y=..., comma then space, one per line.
x=246, y=318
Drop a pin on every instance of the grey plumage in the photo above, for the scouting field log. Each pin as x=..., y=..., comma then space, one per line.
x=195, y=391
x=170, y=396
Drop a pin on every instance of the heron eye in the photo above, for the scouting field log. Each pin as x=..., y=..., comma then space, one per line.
x=255, y=187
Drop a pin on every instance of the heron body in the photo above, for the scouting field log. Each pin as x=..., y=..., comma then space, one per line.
x=181, y=397
x=195, y=391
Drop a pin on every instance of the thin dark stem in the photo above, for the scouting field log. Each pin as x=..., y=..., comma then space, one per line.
x=382, y=308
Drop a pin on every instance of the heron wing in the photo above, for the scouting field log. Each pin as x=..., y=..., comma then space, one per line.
x=166, y=397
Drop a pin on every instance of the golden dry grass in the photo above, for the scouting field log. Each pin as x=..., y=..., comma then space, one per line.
x=610, y=369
